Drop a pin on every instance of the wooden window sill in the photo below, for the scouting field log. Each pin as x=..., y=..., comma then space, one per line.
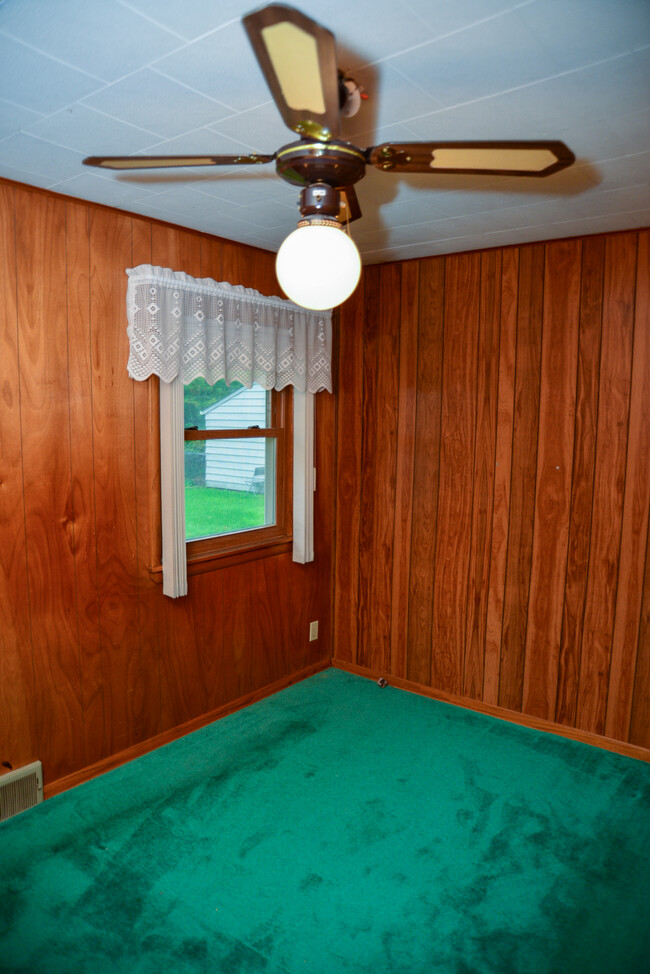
x=215, y=560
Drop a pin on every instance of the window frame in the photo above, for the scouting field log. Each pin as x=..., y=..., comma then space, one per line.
x=172, y=559
x=280, y=532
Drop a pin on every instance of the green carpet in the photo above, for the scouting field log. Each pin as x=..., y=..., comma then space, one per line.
x=338, y=827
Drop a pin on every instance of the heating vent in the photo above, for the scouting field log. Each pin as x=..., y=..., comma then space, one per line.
x=20, y=789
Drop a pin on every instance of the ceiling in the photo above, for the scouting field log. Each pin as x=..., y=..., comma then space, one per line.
x=120, y=77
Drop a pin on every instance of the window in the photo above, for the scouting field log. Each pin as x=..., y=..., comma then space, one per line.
x=278, y=497
x=237, y=467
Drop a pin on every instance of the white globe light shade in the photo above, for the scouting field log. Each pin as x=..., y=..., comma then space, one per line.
x=318, y=266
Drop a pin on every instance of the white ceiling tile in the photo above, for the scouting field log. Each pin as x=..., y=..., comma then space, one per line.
x=28, y=178
x=38, y=158
x=249, y=185
x=37, y=81
x=270, y=216
x=585, y=31
x=261, y=129
x=489, y=118
x=603, y=223
x=13, y=118
x=369, y=30
x=623, y=170
x=221, y=66
x=448, y=16
x=105, y=39
x=88, y=186
x=91, y=132
x=188, y=20
x=499, y=69
x=474, y=63
x=157, y=104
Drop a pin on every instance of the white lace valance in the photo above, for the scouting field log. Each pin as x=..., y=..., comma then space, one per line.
x=181, y=325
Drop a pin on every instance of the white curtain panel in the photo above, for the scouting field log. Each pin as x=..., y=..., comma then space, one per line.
x=184, y=326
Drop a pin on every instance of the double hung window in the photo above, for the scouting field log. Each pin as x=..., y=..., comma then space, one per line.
x=237, y=461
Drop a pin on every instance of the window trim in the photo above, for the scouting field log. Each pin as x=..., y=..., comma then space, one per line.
x=177, y=556
x=213, y=546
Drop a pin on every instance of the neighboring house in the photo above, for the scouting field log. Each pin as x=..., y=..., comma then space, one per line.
x=231, y=464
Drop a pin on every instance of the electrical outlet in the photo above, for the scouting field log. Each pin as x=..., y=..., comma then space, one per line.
x=313, y=631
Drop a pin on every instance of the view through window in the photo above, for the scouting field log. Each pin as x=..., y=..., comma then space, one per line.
x=230, y=459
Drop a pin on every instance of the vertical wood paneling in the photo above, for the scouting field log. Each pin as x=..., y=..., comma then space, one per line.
x=609, y=482
x=502, y=472
x=113, y=661
x=640, y=718
x=114, y=452
x=147, y=491
x=83, y=478
x=522, y=491
x=378, y=466
x=554, y=469
x=462, y=291
x=584, y=459
x=483, y=492
x=348, y=475
x=408, y=356
x=41, y=289
x=18, y=732
x=530, y=303
x=635, y=512
x=426, y=468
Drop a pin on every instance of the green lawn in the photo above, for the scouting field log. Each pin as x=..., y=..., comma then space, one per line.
x=209, y=511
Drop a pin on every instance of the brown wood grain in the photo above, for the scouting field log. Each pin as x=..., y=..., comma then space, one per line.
x=379, y=456
x=458, y=425
x=115, y=661
x=18, y=727
x=635, y=513
x=561, y=318
x=523, y=475
x=426, y=467
x=584, y=458
x=609, y=480
x=640, y=716
x=484, y=459
x=369, y=446
x=348, y=474
x=40, y=255
x=407, y=384
x=83, y=478
x=114, y=478
x=147, y=513
x=502, y=471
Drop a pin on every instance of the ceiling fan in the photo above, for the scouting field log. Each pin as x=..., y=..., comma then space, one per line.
x=298, y=59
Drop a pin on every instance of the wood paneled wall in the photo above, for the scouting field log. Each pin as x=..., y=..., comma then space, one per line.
x=93, y=658
x=493, y=480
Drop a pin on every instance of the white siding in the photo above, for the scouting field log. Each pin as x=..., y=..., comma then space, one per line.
x=230, y=464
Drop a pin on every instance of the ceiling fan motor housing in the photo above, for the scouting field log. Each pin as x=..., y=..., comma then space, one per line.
x=336, y=163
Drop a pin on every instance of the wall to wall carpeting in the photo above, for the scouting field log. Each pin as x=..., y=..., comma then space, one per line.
x=493, y=480
x=93, y=658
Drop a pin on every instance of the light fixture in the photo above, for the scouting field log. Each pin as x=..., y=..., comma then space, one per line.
x=318, y=265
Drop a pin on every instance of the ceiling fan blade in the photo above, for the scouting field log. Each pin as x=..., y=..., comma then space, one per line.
x=172, y=162
x=482, y=158
x=350, y=209
x=298, y=59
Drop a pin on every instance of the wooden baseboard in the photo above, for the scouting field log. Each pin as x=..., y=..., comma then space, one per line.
x=115, y=760
x=585, y=737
